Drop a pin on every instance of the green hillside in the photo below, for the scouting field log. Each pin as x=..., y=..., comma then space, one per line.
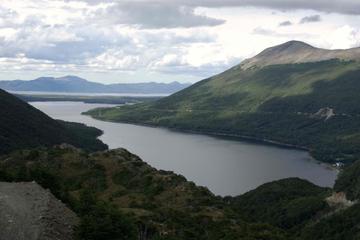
x=132, y=199
x=23, y=126
x=313, y=105
x=159, y=205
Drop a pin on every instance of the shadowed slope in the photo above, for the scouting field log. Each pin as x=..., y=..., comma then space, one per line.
x=23, y=126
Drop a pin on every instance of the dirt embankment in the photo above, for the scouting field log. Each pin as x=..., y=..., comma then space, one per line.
x=29, y=212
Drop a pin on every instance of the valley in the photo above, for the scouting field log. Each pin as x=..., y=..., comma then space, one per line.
x=185, y=185
x=179, y=120
x=226, y=166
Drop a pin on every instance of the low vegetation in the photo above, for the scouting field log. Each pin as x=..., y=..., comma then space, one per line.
x=134, y=200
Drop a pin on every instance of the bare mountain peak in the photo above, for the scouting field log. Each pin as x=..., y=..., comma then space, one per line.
x=298, y=52
x=295, y=43
x=288, y=47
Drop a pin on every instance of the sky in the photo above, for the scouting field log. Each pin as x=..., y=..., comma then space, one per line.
x=111, y=41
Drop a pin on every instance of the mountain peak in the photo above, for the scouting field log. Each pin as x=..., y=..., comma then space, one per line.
x=298, y=52
x=288, y=48
x=296, y=43
x=70, y=78
x=291, y=46
x=64, y=78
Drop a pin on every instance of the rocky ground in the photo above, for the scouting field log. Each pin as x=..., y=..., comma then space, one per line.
x=30, y=212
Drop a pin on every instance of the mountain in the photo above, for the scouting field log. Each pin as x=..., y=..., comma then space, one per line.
x=298, y=52
x=23, y=126
x=79, y=85
x=291, y=94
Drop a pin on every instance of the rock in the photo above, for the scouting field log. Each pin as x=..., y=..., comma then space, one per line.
x=324, y=113
x=32, y=213
x=338, y=200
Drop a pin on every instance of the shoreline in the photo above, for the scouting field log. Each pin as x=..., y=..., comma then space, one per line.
x=236, y=137
x=214, y=134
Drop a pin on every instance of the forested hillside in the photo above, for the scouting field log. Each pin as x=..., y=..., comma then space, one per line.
x=23, y=126
x=134, y=200
x=313, y=105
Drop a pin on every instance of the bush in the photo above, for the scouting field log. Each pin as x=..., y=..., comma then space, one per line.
x=100, y=220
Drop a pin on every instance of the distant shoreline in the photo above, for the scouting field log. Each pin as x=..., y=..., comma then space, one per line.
x=100, y=99
x=87, y=94
x=211, y=133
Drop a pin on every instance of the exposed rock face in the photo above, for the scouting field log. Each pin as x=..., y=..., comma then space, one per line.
x=298, y=52
x=28, y=212
x=324, y=113
x=339, y=201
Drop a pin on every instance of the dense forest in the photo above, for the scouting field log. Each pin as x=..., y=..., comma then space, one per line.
x=23, y=126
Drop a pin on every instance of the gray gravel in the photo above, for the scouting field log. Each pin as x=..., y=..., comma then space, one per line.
x=29, y=212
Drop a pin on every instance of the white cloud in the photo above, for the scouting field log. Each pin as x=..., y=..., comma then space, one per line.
x=160, y=39
x=344, y=37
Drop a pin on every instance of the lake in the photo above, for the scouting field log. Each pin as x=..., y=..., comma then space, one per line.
x=226, y=167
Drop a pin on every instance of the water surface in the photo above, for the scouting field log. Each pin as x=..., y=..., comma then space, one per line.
x=226, y=167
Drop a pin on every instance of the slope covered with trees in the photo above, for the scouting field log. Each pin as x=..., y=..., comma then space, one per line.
x=23, y=126
x=135, y=201
x=313, y=105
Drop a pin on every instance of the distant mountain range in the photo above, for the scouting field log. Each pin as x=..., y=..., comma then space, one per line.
x=292, y=93
x=73, y=84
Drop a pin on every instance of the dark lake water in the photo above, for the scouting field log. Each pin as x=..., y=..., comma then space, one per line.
x=226, y=167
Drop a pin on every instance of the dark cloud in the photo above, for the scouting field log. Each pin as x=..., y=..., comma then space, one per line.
x=310, y=19
x=338, y=6
x=156, y=15
x=285, y=24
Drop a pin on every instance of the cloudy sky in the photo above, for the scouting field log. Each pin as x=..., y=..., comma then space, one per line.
x=160, y=40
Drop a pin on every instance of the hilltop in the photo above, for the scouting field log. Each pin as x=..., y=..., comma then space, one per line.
x=298, y=52
x=291, y=94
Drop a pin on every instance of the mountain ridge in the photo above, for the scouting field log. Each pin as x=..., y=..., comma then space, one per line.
x=76, y=84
